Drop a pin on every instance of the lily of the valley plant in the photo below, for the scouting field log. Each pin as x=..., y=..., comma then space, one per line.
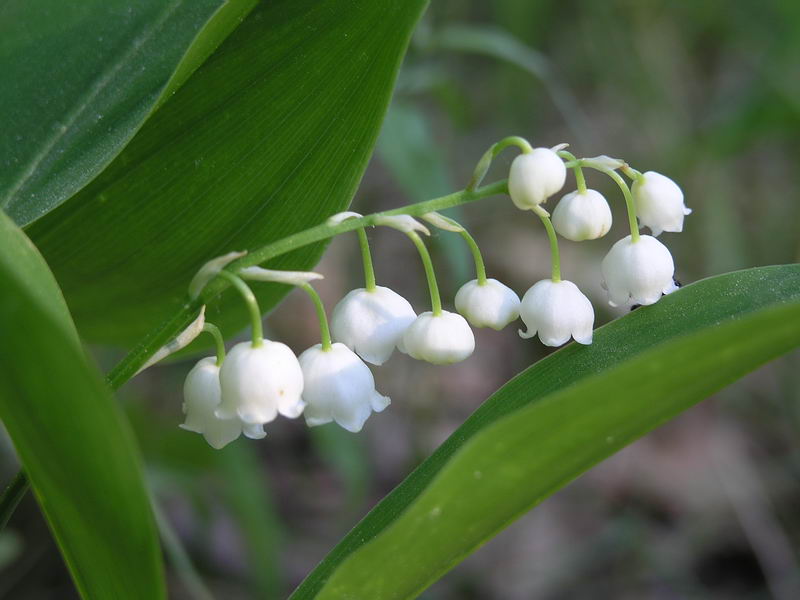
x=258, y=380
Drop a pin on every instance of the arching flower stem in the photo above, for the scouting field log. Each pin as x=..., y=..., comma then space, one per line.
x=555, y=257
x=218, y=341
x=366, y=258
x=626, y=191
x=577, y=169
x=436, y=301
x=251, y=302
x=480, y=267
x=324, y=330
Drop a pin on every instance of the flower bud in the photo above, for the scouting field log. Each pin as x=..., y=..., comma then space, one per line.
x=338, y=387
x=371, y=323
x=201, y=396
x=260, y=382
x=556, y=311
x=638, y=272
x=534, y=177
x=489, y=305
x=582, y=216
x=659, y=203
x=439, y=339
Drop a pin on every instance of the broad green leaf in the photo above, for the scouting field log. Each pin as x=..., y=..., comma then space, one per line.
x=269, y=136
x=557, y=419
x=71, y=437
x=80, y=78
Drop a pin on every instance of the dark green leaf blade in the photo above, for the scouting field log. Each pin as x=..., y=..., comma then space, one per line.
x=70, y=435
x=80, y=78
x=271, y=135
x=555, y=420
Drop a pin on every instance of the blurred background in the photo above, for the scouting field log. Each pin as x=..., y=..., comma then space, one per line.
x=708, y=506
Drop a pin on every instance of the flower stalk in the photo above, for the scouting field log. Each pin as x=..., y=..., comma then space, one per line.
x=555, y=257
x=252, y=305
x=324, y=330
x=433, y=287
x=366, y=259
x=219, y=342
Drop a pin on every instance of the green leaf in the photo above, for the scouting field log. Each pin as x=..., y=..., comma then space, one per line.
x=269, y=136
x=70, y=435
x=80, y=78
x=557, y=419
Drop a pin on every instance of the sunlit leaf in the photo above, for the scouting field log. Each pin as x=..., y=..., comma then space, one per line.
x=72, y=440
x=555, y=420
x=269, y=136
x=80, y=78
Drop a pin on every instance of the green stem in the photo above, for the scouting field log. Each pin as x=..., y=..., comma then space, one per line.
x=252, y=305
x=480, y=267
x=183, y=317
x=486, y=160
x=632, y=173
x=555, y=257
x=220, y=343
x=179, y=321
x=366, y=258
x=129, y=365
x=512, y=140
x=324, y=330
x=12, y=496
x=580, y=180
x=436, y=301
x=626, y=191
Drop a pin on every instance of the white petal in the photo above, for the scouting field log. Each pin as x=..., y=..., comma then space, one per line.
x=379, y=402
x=441, y=339
x=582, y=216
x=534, y=177
x=371, y=323
x=637, y=272
x=489, y=305
x=557, y=311
x=659, y=203
x=338, y=386
x=257, y=382
x=254, y=432
x=201, y=397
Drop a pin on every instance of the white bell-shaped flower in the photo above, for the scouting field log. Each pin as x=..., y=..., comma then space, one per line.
x=534, y=177
x=582, y=216
x=638, y=272
x=201, y=397
x=371, y=323
x=260, y=382
x=439, y=339
x=557, y=311
x=338, y=387
x=492, y=304
x=659, y=203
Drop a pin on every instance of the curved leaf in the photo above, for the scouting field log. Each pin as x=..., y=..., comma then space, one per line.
x=555, y=420
x=70, y=435
x=269, y=136
x=80, y=78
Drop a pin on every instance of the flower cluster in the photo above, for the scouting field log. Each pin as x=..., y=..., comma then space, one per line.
x=241, y=392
